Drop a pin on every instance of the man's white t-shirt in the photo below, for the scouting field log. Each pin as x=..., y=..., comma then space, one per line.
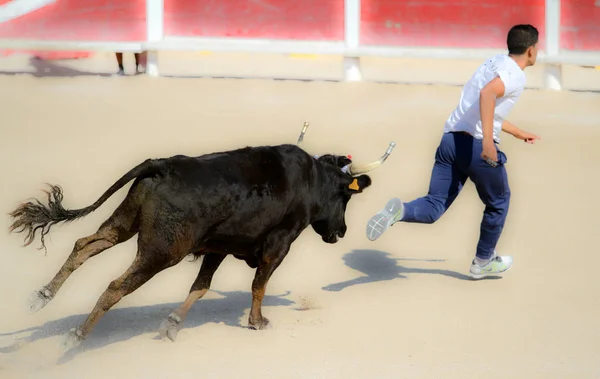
x=466, y=116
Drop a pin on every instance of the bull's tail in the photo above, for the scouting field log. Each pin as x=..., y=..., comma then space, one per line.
x=32, y=217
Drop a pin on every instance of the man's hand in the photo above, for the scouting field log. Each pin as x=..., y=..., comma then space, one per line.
x=518, y=133
x=489, y=151
x=527, y=137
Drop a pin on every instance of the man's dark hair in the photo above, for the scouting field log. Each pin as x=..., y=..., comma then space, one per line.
x=520, y=38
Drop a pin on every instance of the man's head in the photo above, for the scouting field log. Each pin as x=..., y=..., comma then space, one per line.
x=522, y=43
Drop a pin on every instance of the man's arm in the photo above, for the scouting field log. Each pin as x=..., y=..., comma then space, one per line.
x=511, y=129
x=487, y=104
x=518, y=133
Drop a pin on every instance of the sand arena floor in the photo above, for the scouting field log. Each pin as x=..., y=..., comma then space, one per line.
x=400, y=307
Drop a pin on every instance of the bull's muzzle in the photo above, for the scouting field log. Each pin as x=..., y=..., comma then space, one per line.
x=354, y=169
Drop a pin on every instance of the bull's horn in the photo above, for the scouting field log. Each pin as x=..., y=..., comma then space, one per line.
x=361, y=169
x=301, y=138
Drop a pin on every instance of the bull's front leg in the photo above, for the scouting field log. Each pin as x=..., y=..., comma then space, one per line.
x=276, y=248
x=171, y=326
x=259, y=285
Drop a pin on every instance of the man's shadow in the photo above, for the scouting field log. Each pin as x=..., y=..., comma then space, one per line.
x=121, y=324
x=378, y=266
x=45, y=68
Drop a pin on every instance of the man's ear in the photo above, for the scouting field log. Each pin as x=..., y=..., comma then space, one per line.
x=359, y=183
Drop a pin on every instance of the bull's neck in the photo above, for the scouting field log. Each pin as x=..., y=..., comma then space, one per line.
x=325, y=184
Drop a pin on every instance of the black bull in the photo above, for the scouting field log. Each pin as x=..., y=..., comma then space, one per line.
x=251, y=203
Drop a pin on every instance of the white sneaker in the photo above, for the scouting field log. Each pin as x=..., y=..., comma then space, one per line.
x=497, y=265
x=388, y=216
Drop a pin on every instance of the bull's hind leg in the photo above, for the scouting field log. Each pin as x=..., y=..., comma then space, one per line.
x=117, y=229
x=171, y=326
x=160, y=246
x=84, y=249
x=145, y=266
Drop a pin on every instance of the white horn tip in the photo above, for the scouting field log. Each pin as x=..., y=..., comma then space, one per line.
x=301, y=138
x=392, y=145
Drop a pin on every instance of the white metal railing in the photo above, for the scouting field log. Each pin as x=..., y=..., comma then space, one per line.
x=155, y=30
x=351, y=48
x=552, y=72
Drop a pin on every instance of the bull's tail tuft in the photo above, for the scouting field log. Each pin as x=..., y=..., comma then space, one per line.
x=35, y=216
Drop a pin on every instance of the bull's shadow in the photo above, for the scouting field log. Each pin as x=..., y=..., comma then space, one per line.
x=379, y=266
x=121, y=324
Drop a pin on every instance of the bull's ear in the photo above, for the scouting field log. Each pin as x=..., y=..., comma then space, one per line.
x=359, y=183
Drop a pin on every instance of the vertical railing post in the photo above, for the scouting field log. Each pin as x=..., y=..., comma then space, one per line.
x=352, y=70
x=155, y=32
x=552, y=70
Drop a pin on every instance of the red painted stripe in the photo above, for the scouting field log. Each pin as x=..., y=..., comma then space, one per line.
x=459, y=24
x=276, y=19
x=2, y=2
x=580, y=25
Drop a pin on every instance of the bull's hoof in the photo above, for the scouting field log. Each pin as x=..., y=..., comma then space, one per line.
x=261, y=324
x=39, y=299
x=170, y=327
x=72, y=339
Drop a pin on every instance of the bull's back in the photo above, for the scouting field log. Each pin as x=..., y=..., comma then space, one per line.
x=242, y=192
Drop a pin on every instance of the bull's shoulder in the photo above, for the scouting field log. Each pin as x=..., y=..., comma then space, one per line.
x=293, y=150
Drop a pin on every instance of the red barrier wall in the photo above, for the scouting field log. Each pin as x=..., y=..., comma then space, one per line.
x=92, y=20
x=580, y=25
x=273, y=19
x=463, y=24
x=89, y=20
x=458, y=24
x=118, y=20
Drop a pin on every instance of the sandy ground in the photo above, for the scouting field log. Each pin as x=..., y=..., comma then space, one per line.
x=400, y=307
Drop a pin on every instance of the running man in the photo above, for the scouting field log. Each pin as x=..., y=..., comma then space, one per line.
x=468, y=150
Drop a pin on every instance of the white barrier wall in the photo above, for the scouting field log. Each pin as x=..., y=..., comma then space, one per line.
x=570, y=29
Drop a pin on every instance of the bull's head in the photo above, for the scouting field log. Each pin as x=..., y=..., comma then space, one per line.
x=344, y=180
